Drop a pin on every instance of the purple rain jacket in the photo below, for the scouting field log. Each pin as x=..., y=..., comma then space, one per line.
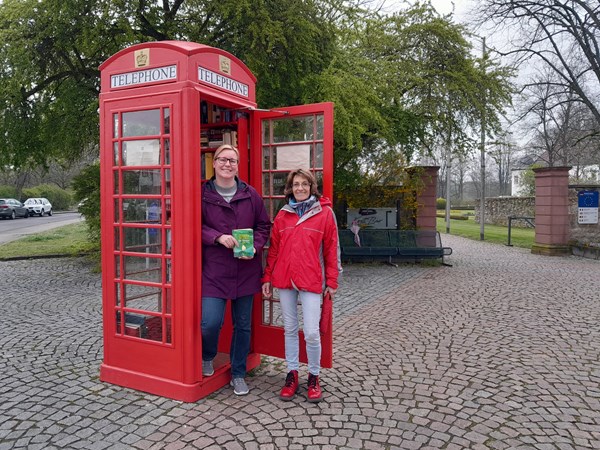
x=224, y=276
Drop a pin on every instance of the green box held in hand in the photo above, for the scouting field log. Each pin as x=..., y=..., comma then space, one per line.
x=245, y=237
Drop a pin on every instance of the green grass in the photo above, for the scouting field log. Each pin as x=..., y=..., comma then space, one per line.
x=520, y=237
x=66, y=240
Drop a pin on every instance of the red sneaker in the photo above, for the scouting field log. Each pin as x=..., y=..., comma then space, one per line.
x=315, y=394
x=291, y=386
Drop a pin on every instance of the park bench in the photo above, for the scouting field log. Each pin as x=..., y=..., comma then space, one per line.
x=392, y=246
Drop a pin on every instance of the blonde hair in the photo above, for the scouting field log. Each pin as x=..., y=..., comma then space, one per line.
x=226, y=147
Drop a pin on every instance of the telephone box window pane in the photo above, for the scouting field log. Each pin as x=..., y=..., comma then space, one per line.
x=279, y=179
x=168, y=270
x=167, y=151
x=142, y=240
x=168, y=210
x=168, y=338
x=154, y=329
x=116, y=182
x=319, y=176
x=292, y=157
x=115, y=125
x=117, y=294
x=141, y=210
x=135, y=325
x=116, y=154
x=266, y=138
x=168, y=301
x=293, y=130
x=141, y=123
x=141, y=181
x=167, y=120
x=167, y=181
x=168, y=240
x=117, y=266
x=144, y=298
x=266, y=184
x=144, y=152
x=266, y=158
x=318, y=156
x=320, y=126
x=116, y=210
x=117, y=239
x=142, y=269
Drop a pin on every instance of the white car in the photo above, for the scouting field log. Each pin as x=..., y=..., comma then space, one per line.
x=38, y=206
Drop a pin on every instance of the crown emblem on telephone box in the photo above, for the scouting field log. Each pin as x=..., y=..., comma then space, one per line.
x=142, y=57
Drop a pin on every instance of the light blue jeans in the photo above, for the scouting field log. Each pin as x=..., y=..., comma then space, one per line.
x=311, y=314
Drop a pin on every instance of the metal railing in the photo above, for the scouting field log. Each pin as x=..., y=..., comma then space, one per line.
x=530, y=221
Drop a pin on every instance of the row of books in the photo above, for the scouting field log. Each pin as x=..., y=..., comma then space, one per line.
x=211, y=113
x=214, y=137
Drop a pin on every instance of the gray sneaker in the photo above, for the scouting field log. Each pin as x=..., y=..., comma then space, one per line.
x=207, y=368
x=239, y=386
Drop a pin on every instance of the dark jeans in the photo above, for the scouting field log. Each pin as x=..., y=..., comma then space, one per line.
x=213, y=314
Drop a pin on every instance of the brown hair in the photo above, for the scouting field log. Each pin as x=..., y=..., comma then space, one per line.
x=305, y=174
x=226, y=147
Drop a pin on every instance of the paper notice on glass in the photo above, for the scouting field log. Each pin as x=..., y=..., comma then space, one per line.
x=141, y=153
x=291, y=157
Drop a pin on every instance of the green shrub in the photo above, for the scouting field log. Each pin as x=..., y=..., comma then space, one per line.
x=61, y=199
x=8, y=191
x=87, y=190
x=440, y=203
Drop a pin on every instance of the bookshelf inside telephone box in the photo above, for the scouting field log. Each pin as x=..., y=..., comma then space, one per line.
x=165, y=107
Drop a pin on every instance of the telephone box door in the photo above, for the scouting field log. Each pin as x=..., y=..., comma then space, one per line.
x=284, y=139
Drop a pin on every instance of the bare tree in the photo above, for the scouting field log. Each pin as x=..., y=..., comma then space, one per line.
x=503, y=154
x=562, y=35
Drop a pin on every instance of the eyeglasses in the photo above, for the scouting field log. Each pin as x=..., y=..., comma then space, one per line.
x=300, y=185
x=222, y=160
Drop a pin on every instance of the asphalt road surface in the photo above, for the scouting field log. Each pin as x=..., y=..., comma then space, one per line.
x=11, y=230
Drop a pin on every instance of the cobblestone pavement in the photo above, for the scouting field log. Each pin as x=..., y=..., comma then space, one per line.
x=500, y=351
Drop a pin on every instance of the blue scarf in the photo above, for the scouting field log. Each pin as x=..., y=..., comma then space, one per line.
x=302, y=207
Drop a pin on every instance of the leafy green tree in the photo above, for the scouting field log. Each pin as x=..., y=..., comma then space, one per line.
x=49, y=77
x=404, y=84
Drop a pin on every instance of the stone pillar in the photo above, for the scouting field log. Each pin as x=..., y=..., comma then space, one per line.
x=426, y=196
x=551, y=211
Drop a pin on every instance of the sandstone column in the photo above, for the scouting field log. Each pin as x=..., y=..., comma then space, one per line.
x=551, y=211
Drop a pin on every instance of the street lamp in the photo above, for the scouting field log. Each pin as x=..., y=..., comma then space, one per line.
x=482, y=144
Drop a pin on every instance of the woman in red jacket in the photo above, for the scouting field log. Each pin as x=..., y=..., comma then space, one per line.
x=303, y=263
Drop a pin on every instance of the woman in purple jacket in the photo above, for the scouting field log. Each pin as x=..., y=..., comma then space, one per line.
x=227, y=204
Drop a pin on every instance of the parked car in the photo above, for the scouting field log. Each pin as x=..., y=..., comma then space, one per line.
x=38, y=206
x=11, y=208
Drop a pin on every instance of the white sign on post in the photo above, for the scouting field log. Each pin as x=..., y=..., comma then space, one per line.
x=374, y=218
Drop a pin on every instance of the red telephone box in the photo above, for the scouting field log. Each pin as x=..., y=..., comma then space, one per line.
x=164, y=109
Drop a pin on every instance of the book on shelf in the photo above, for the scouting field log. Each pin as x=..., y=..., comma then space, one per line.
x=207, y=166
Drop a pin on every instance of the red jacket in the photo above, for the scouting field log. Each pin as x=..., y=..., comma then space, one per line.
x=304, y=253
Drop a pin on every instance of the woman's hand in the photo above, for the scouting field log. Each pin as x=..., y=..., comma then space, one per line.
x=331, y=291
x=266, y=289
x=227, y=240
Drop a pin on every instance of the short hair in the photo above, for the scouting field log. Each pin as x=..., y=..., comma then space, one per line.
x=226, y=147
x=303, y=173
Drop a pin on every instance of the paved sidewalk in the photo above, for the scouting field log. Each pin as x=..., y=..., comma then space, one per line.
x=500, y=351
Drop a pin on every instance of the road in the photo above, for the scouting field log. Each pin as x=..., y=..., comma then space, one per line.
x=11, y=230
